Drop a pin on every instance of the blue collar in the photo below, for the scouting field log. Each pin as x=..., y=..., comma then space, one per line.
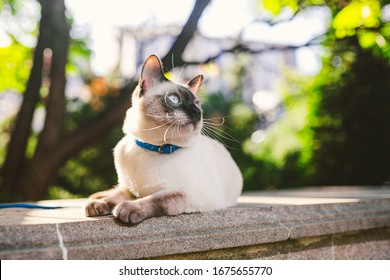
x=163, y=149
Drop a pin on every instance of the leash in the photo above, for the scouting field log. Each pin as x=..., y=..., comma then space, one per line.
x=32, y=206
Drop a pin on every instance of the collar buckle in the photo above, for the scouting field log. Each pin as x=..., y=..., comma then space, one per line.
x=165, y=149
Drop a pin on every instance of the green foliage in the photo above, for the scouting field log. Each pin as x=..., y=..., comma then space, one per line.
x=78, y=51
x=15, y=55
x=350, y=108
x=357, y=14
x=280, y=158
x=363, y=19
x=335, y=128
x=58, y=192
x=350, y=124
x=15, y=61
x=92, y=170
x=358, y=18
x=276, y=6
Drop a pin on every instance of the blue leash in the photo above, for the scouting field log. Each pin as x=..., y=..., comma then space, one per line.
x=29, y=206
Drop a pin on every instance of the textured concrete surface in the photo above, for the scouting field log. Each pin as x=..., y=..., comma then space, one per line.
x=315, y=223
x=367, y=245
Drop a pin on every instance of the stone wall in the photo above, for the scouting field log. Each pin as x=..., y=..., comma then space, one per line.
x=320, y=223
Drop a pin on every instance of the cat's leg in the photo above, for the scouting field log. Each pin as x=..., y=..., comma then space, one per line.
x=164, y=203
x=102, y=203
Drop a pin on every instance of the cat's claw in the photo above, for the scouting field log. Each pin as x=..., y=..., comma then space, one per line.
x=129, y=212
x=97, y=208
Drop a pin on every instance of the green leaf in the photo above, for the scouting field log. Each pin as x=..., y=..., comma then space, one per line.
x=274, y=6
x=15, y=63
x=367, y=39
x=355, y=15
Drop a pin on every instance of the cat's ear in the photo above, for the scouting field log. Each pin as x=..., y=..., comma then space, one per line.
x=195, y=83
x=152, y=73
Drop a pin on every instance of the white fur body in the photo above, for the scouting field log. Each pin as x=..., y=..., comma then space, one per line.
x=205, y=172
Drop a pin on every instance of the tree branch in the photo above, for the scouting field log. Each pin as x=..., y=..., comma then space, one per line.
x=103, y=122
x=174, y=55
x=240, y=47
x=301, y=6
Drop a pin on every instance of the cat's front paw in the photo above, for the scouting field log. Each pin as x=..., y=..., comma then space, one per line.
x=130, y=212
x=96, y=208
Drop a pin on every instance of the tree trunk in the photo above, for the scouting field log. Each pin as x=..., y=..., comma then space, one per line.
x=41, y=170
x=174, y=55
x=16, y=151
x=17, y=173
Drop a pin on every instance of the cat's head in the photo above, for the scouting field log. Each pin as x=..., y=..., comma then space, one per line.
x=162, y=111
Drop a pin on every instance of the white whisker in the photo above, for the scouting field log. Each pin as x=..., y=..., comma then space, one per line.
x=222, y=133
x=181, y=70
x=223, y=142
x=215, y=125
x=220, y=136
x=209, y=122
x=166, y=131
x=158, y=116
x=177, y=128
x=156, y=127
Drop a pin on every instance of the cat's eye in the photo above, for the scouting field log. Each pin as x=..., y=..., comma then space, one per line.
x=174, y=98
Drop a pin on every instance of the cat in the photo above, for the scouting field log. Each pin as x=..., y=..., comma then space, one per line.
x=165, y=166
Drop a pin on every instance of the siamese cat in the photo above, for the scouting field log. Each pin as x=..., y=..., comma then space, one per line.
x=165, y=165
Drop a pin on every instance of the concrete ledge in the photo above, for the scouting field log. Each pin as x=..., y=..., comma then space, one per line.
x=316, y=223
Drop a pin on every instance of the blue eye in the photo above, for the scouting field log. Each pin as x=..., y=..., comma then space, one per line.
x=174, y=98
